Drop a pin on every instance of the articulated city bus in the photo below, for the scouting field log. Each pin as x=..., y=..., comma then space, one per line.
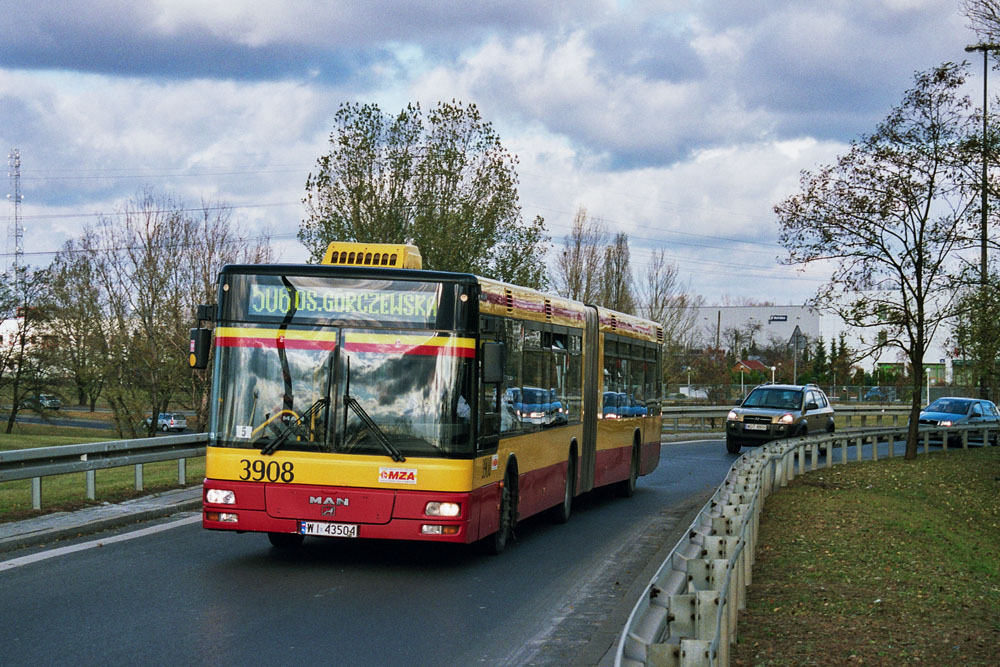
x=363, y=398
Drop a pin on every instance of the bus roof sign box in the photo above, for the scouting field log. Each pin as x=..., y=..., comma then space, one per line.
x=385, y=255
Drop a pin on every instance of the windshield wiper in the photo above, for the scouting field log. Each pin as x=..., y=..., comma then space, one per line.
x=380, y=436
x=279, y=439
x=359, y=410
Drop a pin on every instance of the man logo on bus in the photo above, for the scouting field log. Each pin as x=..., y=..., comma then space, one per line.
x=320, y=500
x=397, y=476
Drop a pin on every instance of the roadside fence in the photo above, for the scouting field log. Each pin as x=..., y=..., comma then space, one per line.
x=687, y=614
x=34, y=464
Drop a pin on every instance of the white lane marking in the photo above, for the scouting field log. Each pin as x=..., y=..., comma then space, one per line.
x=62, y=551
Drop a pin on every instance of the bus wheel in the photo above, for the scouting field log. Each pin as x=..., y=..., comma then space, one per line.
x=285, y=540
x=562, y=511
x=505, y=527
x=627, y=487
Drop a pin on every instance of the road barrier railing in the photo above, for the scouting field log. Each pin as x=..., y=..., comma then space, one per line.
x=40, y=462
x=687, y=614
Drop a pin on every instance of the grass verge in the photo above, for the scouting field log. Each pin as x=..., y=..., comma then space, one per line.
x=880, y=563
x=69, y=492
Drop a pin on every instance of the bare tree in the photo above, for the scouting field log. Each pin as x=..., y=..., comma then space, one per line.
x=25, y=352
x=77, y=320
x=214, y=240
x=888, y=217
x=617, y=282
x=580, y=266
x=663, y=299
x=984, y=17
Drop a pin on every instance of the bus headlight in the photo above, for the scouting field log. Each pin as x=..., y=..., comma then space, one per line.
x=435, y=508
x=220, y=497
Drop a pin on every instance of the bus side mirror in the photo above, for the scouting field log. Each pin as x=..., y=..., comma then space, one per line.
x=492, y=363
x=201, y=345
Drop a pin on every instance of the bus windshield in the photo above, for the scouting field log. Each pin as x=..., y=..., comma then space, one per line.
x=285, y=388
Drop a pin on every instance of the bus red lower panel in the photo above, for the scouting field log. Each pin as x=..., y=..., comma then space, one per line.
x=540, y=489
x=378, y=513
x=612, y=465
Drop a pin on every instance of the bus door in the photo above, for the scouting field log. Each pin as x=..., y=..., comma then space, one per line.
x=491, y=365
x=591, y=390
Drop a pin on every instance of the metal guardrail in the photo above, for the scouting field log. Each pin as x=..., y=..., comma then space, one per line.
x=687, y=614
x=846, y=415
x=34, y=464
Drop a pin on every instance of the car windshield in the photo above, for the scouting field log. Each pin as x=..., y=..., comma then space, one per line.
x=321, y=389
x=949, y=406
x=772, y=397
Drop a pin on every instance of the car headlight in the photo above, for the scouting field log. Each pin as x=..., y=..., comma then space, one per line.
x=946, y=422
x=787, y=418
x=733, y=416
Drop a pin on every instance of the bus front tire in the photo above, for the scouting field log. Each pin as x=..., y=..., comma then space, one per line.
x=505, y=525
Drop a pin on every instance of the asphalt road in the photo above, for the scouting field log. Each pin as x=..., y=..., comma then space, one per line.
x=176, y=594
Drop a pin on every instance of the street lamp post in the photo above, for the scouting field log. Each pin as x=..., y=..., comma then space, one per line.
x=984, y=205
x=985, y=48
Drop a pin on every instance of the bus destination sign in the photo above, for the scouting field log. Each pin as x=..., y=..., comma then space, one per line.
x=336, y=303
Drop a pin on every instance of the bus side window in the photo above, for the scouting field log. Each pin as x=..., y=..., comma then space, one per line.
x=511, y=388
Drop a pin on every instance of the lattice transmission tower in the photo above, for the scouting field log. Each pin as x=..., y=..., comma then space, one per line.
x=15, y=231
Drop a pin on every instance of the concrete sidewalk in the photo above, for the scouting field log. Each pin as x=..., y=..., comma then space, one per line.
x=61, y=525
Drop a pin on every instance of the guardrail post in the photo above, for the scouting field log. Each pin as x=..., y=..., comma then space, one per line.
x=138, y=477
x=91, y=484
x=864, y=420
x=927, y=442
x=36, y=493
x=965, y=439
x=874, y=448
x=695, y=653
x=860, y=445
x=944, y=440
x=182, y=472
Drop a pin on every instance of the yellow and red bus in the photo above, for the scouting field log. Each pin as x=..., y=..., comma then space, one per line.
x=357, y=398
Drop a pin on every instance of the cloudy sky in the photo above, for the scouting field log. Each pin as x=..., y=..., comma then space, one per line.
x=679, y=122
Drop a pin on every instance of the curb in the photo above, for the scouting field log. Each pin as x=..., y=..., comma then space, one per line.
x=63, y=525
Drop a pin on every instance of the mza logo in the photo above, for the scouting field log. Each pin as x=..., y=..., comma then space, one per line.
x=397, y=476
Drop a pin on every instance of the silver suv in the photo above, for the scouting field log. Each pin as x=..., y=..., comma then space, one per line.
x=169, y=421
x=773, y=411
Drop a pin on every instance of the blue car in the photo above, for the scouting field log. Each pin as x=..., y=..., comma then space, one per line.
x=958, y=411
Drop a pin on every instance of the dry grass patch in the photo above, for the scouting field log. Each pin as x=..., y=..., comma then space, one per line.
x=882, y=563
